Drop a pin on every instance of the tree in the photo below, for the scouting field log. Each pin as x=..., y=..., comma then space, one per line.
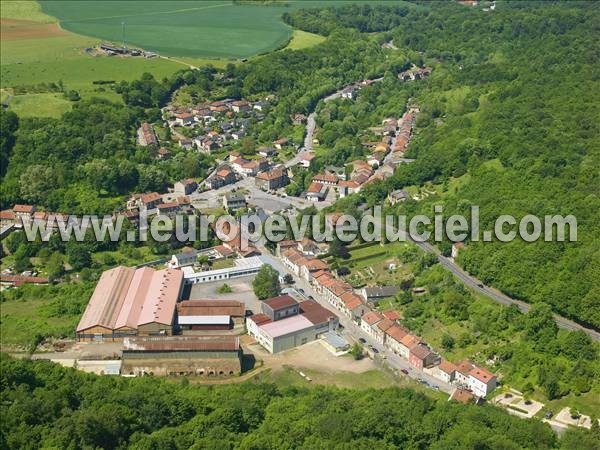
x=266, y=284
x=447, y=342
x=79, y=255
x=55, y=266
x=356, y=351
x=224, y=289
x=288, y=279
x=21, y=259
x=338, y=249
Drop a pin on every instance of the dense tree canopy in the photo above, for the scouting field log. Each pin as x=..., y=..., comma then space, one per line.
x=45, y=405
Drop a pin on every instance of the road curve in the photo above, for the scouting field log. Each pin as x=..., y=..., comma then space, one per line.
x=495, y=294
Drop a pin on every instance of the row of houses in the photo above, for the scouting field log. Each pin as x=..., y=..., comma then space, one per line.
x=20, y=215
x=383, y=327
x=416, y=73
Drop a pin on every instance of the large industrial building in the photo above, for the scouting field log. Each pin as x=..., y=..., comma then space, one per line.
x=131, y=302
x=285, y=323
x=217, y=355
x=242, y=267
x=196, y=315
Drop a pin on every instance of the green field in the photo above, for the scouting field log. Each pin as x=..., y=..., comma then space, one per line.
x=40, y=105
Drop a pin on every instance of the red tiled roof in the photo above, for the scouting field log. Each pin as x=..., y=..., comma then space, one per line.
x=315, y=187
x=392, y=315
x=260, y=319
x=23, y=209
x=481, y=374
x=7, y=214
x=325, y=178
x=371, y=317
x=446, y=366
x=385, y=324
x=211, y=308
x=314, y=312
x=409, y=341
x=395, y=332
x=281, y=301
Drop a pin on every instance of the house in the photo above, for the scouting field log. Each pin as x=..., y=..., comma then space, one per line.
x=479, y=380
x=305, y=159
x=308, y=247
x=393, y=338
x=346, y=188
x=353, y=306
x=392, y=315
x=222, y=177
x=482, y=381
x=380, y=329
x=163, y=153
x=376, y=158
x=150, y=200
x=233, y=202
x=23, y=213
x=407, y=343
x=316, y=192
x=185, y=143
x=444, y=371
x=273, y=179
x=280, y=307
x=240, y=106
x=168, y=209
x=397, y=196
x=350, y=92
x=463, y=396
x=146, y=135
x=184, y=119
x=368, y=321
x=7, y=217
x=421, y=356
x=377, y=293
x=207, y=145
x=280, y=143
x=187, y=257
x=267, y=152
x=298, y=119
x=328, y=180
x=185, y=187
x=237, y=135
x=310, y=266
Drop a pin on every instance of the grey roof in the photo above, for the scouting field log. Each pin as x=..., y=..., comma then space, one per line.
x=381, y=291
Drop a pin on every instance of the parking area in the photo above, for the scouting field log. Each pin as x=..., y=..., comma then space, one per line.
x=241, y=291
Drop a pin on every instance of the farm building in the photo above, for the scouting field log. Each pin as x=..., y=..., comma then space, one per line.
x=196, y=315
x=131, y=302
x=182, y=355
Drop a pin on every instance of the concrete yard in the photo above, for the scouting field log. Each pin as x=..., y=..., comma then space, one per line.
x=241, y=287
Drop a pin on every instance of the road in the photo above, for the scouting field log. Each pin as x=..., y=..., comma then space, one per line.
x=353, y=332
x=489, y=292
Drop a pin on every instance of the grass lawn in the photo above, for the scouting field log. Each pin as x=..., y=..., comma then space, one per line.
x=40, y=105
x=302, y=39
x=372, y=379
x=587, y=403
x=22, y=320
x=222, y=264
x=24, y=10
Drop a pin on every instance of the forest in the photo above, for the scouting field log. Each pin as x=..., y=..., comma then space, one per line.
x=47, y=406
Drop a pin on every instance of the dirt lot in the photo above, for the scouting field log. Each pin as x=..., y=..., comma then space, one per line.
x=12, y=29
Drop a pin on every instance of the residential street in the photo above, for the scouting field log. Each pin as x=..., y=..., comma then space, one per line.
x=353, y=332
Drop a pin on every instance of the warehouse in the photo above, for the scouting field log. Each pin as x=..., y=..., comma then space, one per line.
x=308, y=323
x=242, y=267
x=195, y=315
x=131, y=302
x=182, y=355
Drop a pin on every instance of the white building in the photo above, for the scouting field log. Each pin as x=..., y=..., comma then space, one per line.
x=243, y=267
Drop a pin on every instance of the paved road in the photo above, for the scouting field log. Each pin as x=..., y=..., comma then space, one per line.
x=353, y=332
x=492, y=293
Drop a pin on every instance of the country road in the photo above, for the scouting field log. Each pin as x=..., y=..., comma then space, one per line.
x=492, y=293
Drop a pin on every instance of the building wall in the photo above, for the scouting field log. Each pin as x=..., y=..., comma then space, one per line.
x=182, y=363
x=155, y=328
x=292, y=340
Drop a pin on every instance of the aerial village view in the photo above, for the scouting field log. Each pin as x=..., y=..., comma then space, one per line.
x=148, y=114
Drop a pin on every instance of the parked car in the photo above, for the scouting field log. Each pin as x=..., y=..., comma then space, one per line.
x=375, y=350
x=404, y=371
x=549, y=414
x=362, y=340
